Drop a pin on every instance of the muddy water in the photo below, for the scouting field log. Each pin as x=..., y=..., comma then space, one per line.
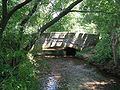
x=74, y=74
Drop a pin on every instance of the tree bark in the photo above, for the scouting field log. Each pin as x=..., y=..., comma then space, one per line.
x=115, y=42
x=6, y=15
x=4, y=8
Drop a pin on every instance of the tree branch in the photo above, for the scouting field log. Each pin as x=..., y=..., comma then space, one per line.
x=4, y=8
x=29, y=15
x=86, y=11
x=18, y=7
x=47, y=25
x=6, y=17
x=4, y=14
x=62, y=14
x=25, y=20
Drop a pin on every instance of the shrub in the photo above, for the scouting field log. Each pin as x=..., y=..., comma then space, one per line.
x=103, y=50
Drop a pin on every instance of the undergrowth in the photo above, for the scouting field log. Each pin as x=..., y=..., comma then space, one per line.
x=16, y=70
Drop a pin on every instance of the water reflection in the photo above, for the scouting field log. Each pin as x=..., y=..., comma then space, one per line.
x=51, y=84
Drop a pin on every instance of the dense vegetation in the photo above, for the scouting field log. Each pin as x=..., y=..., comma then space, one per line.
x=105, y=14
x=19, y=29
x=21, y=23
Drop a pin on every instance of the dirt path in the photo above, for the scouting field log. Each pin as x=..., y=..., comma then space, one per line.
x=74, y=74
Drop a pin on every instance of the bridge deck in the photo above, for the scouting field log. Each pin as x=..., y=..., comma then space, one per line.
x=59, y=40
x=52, y=49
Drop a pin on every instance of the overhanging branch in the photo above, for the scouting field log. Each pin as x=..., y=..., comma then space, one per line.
x=25, y=20
x=18, y=7
x=89, y=11
x=62, y=14
x=6, y=17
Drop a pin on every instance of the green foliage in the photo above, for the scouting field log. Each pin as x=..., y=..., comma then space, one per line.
x=103, y=50
x=63, y=25
x=44, y=67
x=107, y=22
x=21, y=78
x=119, y=53
x=85, y=53
x=16, y=71
x=25, y=79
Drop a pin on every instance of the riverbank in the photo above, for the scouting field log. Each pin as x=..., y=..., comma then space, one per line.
x=108, y=68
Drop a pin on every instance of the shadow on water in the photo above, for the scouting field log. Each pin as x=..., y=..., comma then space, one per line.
x=73, y=74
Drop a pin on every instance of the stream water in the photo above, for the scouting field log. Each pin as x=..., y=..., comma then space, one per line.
x=74, y=74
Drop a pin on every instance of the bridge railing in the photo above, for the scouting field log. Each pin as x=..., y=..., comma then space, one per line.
x=60, y=40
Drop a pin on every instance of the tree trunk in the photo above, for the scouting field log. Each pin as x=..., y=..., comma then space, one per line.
x=3, y=20
x=115, y=42
x=7, y=15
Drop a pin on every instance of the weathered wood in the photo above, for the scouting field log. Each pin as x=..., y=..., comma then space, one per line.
x=61, y=40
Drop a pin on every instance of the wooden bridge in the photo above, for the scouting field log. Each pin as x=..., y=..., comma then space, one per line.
x=55, y=41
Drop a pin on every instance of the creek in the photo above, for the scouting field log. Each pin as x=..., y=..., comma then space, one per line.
x=74, y=74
